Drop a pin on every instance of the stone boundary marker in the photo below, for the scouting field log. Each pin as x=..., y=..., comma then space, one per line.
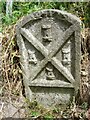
x=49, y=44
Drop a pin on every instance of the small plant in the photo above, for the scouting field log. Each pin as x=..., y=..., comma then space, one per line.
x=48, y=117
x=84, y=106
x=35, y=114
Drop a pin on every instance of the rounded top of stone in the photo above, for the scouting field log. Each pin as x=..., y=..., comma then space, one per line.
x=63, y=15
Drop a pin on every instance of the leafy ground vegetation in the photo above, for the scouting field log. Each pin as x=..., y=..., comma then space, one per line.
x=12, y=90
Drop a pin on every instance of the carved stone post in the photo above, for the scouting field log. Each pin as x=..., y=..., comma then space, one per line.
x=49, y=44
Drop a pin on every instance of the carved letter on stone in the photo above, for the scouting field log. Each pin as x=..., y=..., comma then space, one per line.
x=50, y=75
x=46, y=31
x=32, y=57
x=66, y=55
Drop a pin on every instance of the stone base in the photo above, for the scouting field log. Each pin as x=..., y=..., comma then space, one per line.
x=51, y=97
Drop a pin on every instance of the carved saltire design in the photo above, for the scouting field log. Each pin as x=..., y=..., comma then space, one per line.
x=50, y=55
x=50, y=50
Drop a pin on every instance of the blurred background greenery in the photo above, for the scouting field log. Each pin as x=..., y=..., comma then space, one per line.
x=19, y=9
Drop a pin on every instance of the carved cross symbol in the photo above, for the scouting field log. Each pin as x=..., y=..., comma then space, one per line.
x=50, y=65
x=50, y=55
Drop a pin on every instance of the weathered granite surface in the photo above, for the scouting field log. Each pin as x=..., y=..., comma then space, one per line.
x=49, y=44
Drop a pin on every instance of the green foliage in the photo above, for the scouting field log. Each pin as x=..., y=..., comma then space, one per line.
x=39, y=112
x=80, y=9
x=84, y=105
x=87, y=15
x=34, y=114
x=48, y=117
